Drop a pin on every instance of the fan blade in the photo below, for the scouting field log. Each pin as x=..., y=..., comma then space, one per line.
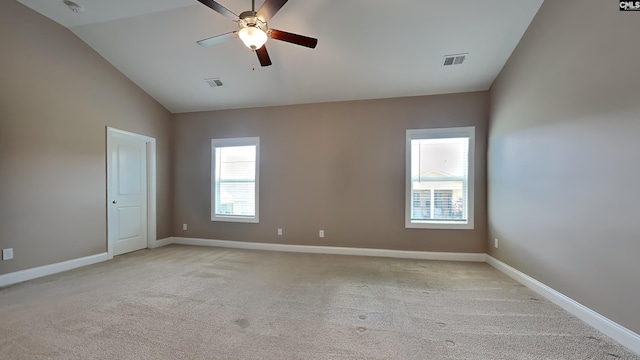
x=220, y=9
x=263, y=56
x=269, y=8
x=293, y=38
x=218, y=39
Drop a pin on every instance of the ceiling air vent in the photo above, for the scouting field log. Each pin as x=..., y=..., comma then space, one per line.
x=455, y=59
x=214, y=82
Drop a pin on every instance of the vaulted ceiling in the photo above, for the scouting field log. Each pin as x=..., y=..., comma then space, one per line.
x=366, y=49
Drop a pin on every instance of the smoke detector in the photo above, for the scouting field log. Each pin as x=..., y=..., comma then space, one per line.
x=74, y=7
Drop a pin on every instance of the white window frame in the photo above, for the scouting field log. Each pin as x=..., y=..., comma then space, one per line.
x=441, y=133
x=228, y=142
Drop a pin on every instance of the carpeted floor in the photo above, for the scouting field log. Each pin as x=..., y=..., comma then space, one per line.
x=187, y=302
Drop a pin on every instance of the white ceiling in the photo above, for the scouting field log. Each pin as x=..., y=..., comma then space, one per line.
x=366, y=49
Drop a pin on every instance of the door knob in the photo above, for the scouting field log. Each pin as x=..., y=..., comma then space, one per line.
x=115, y=201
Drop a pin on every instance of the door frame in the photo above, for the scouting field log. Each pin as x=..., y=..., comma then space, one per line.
x=151, y=186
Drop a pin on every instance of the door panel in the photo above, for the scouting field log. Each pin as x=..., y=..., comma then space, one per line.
x=128, y=193
x=130, y=226
x=129, y=161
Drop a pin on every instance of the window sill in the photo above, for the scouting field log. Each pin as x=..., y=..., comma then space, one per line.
x=238, y=219
x=443, y=225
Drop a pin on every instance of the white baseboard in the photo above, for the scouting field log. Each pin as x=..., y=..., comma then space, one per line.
x=161, y=242
x=33, y=273
x=619, y=333
x=403, y=254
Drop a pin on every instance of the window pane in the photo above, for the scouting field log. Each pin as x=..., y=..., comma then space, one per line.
x=236, y=162
x=235, y=186
x=236, y=198
x=443, y=206
x=439, y=174
x=439, y=157
x=421, y=204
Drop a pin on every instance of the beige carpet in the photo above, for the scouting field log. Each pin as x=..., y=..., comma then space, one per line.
x=183, y=302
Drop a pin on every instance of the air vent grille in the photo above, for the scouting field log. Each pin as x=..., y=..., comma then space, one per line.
x=455, y=59
x=214, y=82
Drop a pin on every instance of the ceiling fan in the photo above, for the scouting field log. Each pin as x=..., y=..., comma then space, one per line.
x=254, y=31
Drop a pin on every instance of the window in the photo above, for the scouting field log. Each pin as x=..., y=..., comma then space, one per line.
x=439, y=178
x=234, y=170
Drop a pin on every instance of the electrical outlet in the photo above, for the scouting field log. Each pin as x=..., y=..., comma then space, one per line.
x=495, y=242
x=321, y=233
x=7, y=254
x=279, y=231
x=184, y=226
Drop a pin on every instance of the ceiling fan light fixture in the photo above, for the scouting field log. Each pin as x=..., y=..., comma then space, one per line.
x=253, y=37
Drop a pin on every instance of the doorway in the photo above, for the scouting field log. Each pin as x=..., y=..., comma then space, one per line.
x=131, y=192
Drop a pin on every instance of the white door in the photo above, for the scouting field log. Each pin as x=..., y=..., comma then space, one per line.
x=127, y=192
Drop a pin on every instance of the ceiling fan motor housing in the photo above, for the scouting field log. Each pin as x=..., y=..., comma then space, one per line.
x=251, y=19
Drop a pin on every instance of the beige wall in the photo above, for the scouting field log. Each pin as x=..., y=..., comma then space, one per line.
x=563, y=154
x=334, y=166
x=56, y=97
